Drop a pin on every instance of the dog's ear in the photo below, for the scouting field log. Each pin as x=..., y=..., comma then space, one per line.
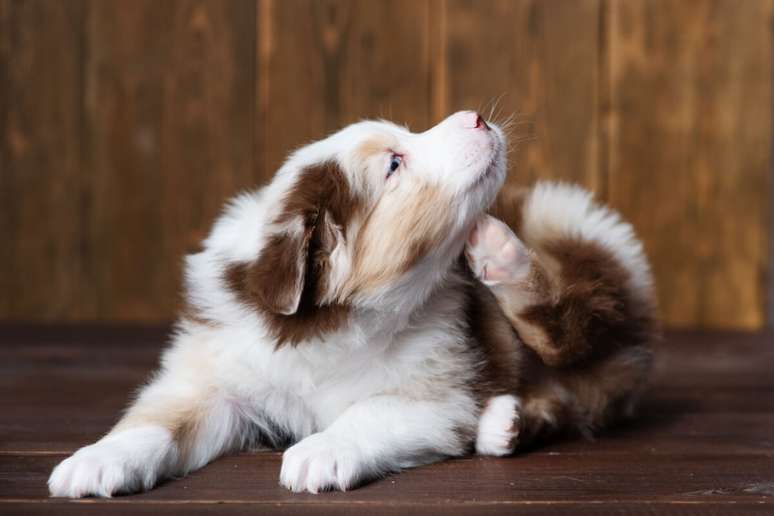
x=290, y=274
x=278, y=277
x=292, y=270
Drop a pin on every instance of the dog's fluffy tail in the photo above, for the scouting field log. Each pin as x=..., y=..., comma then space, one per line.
x=593, y=316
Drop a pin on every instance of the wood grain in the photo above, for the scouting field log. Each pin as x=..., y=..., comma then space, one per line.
x=483, y=480
x=701, y=444
x=702, y=507
x=169, y=132
x=539, y=61
x=721, y=399
x=343, y=61
x=690, y=150
x=45, y=195
x=125, y=125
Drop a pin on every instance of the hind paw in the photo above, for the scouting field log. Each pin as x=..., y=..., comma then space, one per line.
x=498, y=427
x=495, y=254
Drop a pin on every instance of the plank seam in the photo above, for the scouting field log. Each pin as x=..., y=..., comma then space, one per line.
x=768, y=273
x=604, y=102
x=761, y=500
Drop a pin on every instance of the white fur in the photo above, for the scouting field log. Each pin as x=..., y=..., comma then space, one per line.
x=498, y=427
x=390, y=390
x=560, y=210
x=120, y=462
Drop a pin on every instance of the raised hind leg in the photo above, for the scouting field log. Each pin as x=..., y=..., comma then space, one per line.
x=576, y=287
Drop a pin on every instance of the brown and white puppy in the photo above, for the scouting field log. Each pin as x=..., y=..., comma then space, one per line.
x=331, y=311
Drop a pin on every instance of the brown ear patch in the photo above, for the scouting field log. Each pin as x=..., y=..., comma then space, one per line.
x=320, y=188
x=288, y=281
x=308, y=322
x=276, y=280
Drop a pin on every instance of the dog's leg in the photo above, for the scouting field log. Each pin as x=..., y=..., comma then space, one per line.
x=578, y=292
x=376, y=436
x=518, y=279
x=568, y=298
x=498, y=428
x=178, y=423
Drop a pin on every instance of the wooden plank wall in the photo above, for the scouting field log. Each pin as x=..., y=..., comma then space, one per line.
x=689, y=150
x=125, y=125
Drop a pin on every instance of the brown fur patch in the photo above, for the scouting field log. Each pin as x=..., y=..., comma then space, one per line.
x=309, y=321
x=581, y=398
x=513, y=298
x=509, y=206
x=320, y=188
x=322, y=199
x=594, y=312
x=501, y=352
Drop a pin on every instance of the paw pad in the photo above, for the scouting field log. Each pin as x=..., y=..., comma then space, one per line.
x=495, y=254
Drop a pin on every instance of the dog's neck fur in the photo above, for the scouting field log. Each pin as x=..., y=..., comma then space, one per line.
x=405, y=304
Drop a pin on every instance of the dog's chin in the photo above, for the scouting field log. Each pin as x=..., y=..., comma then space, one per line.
x=483, y=194
x=491, y=176
x=487, y=186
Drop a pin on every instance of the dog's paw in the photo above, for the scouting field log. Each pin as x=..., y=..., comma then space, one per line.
x=495, y=254
x=320, y=463
x=121, y=463
x=498, y=427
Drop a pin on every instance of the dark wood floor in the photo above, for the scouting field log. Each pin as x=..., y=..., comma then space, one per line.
x=703, y=443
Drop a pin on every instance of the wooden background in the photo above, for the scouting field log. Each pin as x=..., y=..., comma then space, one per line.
x=126, y=124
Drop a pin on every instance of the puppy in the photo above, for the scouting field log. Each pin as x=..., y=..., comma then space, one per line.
x=332, y=311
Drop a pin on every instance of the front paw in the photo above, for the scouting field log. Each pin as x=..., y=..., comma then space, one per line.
x=121, y=463
x=320, y=463
x=495, y=254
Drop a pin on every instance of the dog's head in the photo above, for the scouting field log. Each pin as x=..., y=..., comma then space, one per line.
x=371, y=216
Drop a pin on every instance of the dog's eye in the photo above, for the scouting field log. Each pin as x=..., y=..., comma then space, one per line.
x=395, y=162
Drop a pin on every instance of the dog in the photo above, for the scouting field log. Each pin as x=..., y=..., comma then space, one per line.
x=364, y=313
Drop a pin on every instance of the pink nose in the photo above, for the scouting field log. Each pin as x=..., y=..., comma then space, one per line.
x=472, y=120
